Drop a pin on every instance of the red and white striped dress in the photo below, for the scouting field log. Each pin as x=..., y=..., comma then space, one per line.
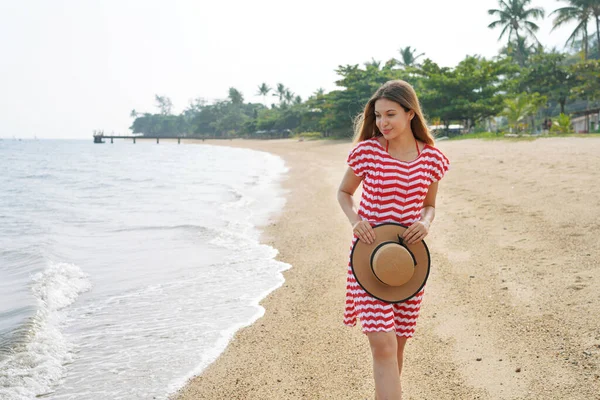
x=393, y=191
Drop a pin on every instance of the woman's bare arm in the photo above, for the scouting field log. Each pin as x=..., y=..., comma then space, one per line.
x=350, y=183
x=418, y=230
x=428, y=212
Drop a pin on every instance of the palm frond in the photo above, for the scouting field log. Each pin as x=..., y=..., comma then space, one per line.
x=563, y=16
x=494, y=24
x=579, y=30
x=504, y=30
x=531, y=27
x=537, y=12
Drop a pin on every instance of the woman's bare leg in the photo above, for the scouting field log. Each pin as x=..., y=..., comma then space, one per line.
x=401, y=345
x=384, y=348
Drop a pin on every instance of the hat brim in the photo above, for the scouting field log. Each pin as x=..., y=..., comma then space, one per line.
x=360, y=262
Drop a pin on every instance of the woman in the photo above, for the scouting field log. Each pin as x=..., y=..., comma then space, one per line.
x=399, y=168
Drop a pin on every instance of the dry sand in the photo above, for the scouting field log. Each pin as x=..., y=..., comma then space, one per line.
x=512, y=307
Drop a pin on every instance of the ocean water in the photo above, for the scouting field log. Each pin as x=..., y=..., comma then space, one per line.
x=126, y=269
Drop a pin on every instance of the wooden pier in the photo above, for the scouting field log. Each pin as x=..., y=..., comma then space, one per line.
x=99, y=138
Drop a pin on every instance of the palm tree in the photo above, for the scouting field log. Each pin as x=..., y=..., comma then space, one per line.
x=235, y=96
x=517, y=109
x=515, y=17
x=280, y=92
x=289, y=96
x=373, y=63
x=595, y=8
x=562, y=124
x=263, y=90
x=579, y=11
x=133, y=113
x=519, y=49
x=408, y=56
x=164, y=104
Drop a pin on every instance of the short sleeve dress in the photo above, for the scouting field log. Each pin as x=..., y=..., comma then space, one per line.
x=393, y=191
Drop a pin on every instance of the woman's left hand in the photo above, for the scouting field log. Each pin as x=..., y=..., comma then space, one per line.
x=416, y=232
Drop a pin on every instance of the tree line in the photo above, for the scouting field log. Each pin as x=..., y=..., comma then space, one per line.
x=521, y=89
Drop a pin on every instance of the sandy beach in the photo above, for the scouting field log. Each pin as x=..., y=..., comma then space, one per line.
x=512, y=306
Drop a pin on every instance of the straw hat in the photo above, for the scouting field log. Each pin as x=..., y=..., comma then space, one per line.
x=388, y=269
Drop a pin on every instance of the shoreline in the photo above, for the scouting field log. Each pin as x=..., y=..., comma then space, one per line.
x=496, y=257
x=292, y=232
x=258, y=221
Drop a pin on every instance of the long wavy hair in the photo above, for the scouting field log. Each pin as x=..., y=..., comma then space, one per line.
x=402, y=93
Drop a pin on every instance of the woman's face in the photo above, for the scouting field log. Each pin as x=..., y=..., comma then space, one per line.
x=391, y=119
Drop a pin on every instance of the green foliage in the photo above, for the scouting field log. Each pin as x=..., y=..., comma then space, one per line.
x=479, y=135
x=310, y=135
x=342, y=106
x=279, y=119
x=158, y=124
x=164, y=104
x=520, y=50
x=549, y=75
x=222, y=119
x=472, y=91
x=518, y=109
x=235, y=96
x=562, y=124
x=524, y=83
x=586, y=79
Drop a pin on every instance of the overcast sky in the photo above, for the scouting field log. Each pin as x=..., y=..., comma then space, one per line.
x=69, y=67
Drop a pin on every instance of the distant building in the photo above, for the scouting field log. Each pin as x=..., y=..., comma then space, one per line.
x=586, y=123
x=453, y=129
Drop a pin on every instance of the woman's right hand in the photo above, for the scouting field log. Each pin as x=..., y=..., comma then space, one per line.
x=364, y=231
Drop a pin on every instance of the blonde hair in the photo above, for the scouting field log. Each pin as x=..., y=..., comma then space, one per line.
x=402, y=93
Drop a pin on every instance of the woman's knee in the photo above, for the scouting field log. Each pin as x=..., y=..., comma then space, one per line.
x=383, y=344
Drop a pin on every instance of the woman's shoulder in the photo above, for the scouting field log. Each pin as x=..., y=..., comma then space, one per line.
x=431, y=148
x=436, y=157
x=369, y=142
x=363, y=156
x=366, y=145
